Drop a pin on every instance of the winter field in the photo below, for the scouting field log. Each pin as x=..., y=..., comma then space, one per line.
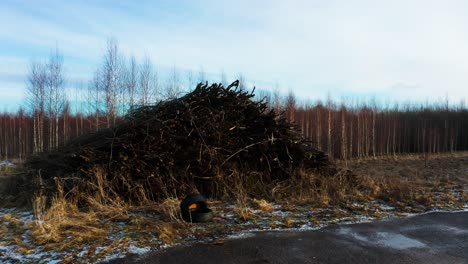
x=402, y=186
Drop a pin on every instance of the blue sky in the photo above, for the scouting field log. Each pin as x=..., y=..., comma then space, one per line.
x=394, y=50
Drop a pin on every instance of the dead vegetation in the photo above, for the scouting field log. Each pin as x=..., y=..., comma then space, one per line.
x=415, y=180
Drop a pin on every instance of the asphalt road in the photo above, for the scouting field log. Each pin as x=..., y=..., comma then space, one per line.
x=429, y=238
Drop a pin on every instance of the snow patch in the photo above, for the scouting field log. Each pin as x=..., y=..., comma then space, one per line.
x=138, y=250
x=241, y=235
x=397, y=241
x=386, y=239
x=6, y=163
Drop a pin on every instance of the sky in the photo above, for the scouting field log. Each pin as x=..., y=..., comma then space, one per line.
x=391, y=50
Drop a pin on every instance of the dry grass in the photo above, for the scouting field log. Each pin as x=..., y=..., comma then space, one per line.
x=414, y=179
x=169, y=209
x=324, y=190
x=64, y=225
x=289, y=222
x=396, y=190
x=243, y=210
x=167, y=234
x=11, y=221
x=262, y=205
x=410, y=180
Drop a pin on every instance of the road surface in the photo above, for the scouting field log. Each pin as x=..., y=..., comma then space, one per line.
x=428, y=238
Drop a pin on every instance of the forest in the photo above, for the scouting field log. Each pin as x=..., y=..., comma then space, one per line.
x=54, y=112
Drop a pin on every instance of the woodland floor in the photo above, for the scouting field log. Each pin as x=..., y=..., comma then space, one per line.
x=435, y=182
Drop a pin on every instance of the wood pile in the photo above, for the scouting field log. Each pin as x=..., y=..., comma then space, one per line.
x=201, y=140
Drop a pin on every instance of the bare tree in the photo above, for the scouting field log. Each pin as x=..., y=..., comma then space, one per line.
x=131, y=82
x=277, y=100
x=95, y=98
x=190, y=80
x=173, y=84
x=154, y=86
x=36, y=99
x=111, y=80
x=374, y=112
x=202, y=75
x=223, y=78
x=329, y=127
x=21, y=141
x=319, y=125
x=66, y=116
x=56, y=95
x=290, y=105
x=78, y=93
x=343, y=132
x=146, y=72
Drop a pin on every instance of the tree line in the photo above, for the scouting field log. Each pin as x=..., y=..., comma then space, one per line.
x=54, y=113
x=368, y=130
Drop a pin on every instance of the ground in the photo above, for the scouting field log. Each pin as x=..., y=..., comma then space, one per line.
x=428, y=238
x=412, y=184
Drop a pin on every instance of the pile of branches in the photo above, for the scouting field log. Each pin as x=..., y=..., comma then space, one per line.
x=211, y=139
